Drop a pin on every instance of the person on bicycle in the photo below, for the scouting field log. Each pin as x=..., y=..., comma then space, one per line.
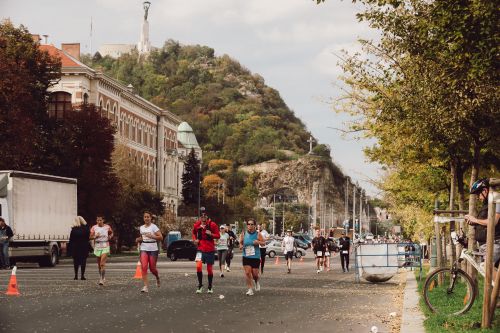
x=481, y=188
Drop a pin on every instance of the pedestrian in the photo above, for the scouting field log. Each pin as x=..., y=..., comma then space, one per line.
x=318, y=246
x=230, y=247
x=149, y=238
x=101, y=233
x=205, y=231
x=265, y=235
x=78, y=246
x=222, y=248
x=329, y=248
x=249, y=242
x=345, y=245
x=288, y=247
x=6, y=235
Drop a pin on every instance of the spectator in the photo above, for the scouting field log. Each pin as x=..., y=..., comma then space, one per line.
x=78, y=246
x=5, y=235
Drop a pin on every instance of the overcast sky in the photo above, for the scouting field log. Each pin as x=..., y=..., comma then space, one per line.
x=289, y=42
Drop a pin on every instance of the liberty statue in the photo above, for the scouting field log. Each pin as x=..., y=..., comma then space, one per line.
x=146, y=5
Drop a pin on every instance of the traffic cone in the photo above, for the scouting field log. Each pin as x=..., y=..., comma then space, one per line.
x=12, y=288
x=138, y=271
x=277, y=261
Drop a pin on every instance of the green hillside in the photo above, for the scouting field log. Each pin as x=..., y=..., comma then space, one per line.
x=234, y=114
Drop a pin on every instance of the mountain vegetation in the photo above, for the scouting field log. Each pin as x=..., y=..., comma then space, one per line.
x=234, y=114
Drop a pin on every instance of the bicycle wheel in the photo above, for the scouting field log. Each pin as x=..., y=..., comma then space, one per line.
x=449, y=294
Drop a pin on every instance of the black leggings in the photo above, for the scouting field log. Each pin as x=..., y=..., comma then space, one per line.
x=80, y=261
x=229, y=256
x=262, y=259
x=346, y=258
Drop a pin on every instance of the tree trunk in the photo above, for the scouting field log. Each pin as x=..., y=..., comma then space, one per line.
x=453, y=177
x=471, y=234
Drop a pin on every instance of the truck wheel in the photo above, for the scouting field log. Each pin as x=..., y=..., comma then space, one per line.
x=51, y=260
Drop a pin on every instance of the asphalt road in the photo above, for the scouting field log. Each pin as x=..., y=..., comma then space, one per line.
x=51, y=301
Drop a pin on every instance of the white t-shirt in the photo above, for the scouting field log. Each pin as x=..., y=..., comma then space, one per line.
x=101, y=235
x=288, y=243
x=265, y=235
x=222, y=242
x=148, y=244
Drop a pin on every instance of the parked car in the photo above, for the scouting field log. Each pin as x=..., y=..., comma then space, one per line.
x=181, y=249
x=304, y=238
x=301, y=244
x=274, y=249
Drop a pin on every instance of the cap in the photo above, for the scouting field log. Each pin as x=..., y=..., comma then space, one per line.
x=222, y=226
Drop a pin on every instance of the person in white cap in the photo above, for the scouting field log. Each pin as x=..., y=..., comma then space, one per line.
x=222, y=247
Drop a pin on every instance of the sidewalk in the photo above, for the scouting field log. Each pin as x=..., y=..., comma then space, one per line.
x=412, y=320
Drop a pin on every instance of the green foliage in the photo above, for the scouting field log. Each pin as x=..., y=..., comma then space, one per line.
x=233, y=113
x=191, y=180
x=322, y=150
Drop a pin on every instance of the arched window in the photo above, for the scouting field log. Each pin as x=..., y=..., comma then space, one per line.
x=85, y=99
x=59, y=104
x=164, y=175
x=148, y=172
x=106, y=112
x=153, y=178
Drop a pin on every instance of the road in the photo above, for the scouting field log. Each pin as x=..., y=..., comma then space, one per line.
x=51, y=301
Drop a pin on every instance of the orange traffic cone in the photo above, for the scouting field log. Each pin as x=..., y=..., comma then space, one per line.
x=12, y=288
x=138, y=271
x=277, y=261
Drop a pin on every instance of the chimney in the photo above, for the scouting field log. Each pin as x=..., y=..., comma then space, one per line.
x=73, y=49
x=36, y=38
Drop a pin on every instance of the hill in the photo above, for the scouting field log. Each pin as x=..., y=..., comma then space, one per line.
x=234, y=114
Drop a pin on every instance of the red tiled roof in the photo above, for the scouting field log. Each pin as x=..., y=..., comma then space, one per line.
x=66, y=60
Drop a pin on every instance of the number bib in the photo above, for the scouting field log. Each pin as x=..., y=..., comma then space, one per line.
x=327, y=254
x=249, y=250
x=345, y=252
x=319, y=253
x=198, y=256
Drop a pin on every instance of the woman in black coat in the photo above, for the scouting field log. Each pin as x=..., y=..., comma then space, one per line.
x=79, y=245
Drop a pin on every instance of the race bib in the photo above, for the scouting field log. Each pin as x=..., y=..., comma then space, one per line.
x=327, y=254
x=198, y=256
x=249, y=250
x=319, y=253
x=222, y=242
x=345, y=252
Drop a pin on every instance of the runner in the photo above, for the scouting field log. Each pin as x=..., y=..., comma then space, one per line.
x=150, y=235
x=318, y=246
x=265, y=235
x=101, y=233
x=329, y=251
x=288, y=247
x=222, y=248
x=204, y=233
x=345, y=244
x=230, y=247
x=249, y=242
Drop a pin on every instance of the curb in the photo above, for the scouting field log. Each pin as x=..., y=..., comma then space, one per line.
x=412, y=320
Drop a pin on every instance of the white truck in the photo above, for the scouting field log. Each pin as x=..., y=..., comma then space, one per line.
x=40, y=209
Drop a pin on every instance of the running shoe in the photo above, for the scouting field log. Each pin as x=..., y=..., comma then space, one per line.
x=257, y=286
x=321, y=268
x=317, y=271
x=228, y=269
x=158, y=283
x=210, y=291
x=221, y=275
x=289, y=271
x=249, y=292
x=144, y=289
x=199, y=290
x=101, y=282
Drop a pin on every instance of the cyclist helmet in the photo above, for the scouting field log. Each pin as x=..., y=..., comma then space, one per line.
x=479, y=185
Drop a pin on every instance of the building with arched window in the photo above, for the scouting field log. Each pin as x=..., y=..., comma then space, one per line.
x=149, y=132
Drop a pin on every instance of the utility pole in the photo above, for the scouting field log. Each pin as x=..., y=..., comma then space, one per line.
x=346, y=201
x=354, y=207
x=274, y=214
x=360, y=210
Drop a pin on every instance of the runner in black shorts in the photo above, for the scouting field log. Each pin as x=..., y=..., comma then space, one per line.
x=249, y=243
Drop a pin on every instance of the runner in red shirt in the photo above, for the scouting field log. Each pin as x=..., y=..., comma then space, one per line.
x=205, y=231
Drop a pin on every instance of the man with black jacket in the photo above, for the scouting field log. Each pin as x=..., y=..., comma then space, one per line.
x=5, y=235
x=319, y=247
x=345, y=245
x=230, y=246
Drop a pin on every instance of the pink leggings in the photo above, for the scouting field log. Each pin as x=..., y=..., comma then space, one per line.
x=149, y=257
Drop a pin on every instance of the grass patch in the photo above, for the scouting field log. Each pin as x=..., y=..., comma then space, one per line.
x=468, y=322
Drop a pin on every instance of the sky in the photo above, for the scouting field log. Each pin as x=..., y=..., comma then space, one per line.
x=291, y=43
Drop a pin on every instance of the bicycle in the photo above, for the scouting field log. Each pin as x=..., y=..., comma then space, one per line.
x=451, y=291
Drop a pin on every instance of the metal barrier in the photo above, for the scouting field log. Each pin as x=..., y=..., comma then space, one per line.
x=376, y=260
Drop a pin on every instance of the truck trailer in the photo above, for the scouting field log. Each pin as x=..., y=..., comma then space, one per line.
x=40, y=209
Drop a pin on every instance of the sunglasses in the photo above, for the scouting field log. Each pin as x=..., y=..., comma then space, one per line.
x=250, y=224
